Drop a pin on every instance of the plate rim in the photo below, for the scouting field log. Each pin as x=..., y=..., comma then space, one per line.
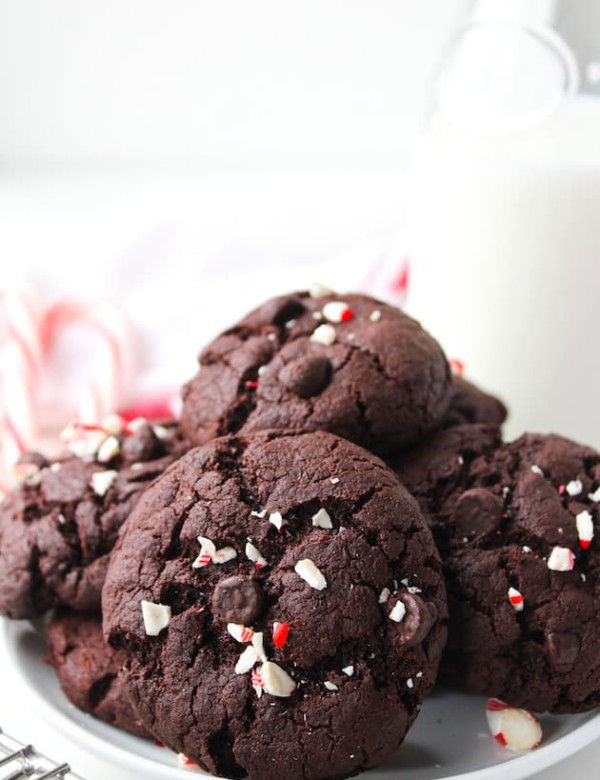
x=516, y=768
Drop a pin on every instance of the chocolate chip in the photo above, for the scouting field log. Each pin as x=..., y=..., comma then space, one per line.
x=306, y=376
x=238, y=599
x=562, y=650
x=142, y=445
x=281, y=310
x=477, y=511
x=418, y=620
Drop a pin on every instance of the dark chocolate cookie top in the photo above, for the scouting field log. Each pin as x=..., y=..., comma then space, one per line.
x=516, y=526
x=346, y=364
x=89, y=670
x=283, y=606
x=471, y=404
x=58, y=527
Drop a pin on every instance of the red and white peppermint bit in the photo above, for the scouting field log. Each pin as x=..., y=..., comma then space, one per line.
x=516, y=729
x=275, y=681
x=108, y=450
x=277, y=520
x=337, y=311
x=561, y=559
x=318, y=290
x=83, y=440
x=375, y=315
x=330, y=686
x=207, y=551
x=456, y=366
x=310, y=573
x=240, y=633
x=224, y=555
x=348, y=670
x=322, y=519
x=280, y=634
x=247, y=660
x=257, y=682
x=334, y=480
x=516, y=599
x=101, y=481
x=574, y=487
x=324, y=334
x=595, y=496
x=384, y=595
x=585, y=529
x=398, y=612
x=183, y=762
x=156, y=617
x=254, y=555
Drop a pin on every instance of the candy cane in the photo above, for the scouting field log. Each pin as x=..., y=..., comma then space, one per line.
x=388, y=274
x=20, y=362
x=112, y=362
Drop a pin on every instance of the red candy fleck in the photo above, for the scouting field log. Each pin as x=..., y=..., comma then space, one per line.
x=457, y=366
x=347, y=315
x=561, y=490
x=501, y=739
x=251, y=385
x=280, y=634
x=495, y=705
x=158, y=743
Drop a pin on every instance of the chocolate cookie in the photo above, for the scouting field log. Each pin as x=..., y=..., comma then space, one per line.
x=89, y=670
x=515, y=525
x=282, y=602
x=346, y=364
x=57, y=529
x=471, y=404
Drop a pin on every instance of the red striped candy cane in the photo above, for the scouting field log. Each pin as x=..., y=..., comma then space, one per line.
x=20, y=363
x=113, y=358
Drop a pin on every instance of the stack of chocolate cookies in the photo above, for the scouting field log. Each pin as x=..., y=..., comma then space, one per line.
x=271, y=571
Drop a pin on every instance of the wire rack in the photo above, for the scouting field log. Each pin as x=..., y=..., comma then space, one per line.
x=19, y=760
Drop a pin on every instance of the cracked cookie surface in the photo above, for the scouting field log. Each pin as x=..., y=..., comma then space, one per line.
x=516, y=526
x=89, y=670
x=58, y=527
x=282, y=604
x=347, y=364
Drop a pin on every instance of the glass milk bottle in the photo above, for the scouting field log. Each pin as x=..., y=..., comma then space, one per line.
x=505, y=231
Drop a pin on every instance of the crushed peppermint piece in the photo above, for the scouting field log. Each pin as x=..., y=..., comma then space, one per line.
x=101, y=481
x=280, y=634
x=574, y=487
x=334, y=480
x=271, y=336
x=240, y=633
x=55, y=467
x=375, y=315
x=330, y=686
x=537, y=470
x=62, y=519
x=259, y=645
x=457, y=366
x=247, y=660
x=413, y=589
x=277, y=520
x=505, y=491
x=108, y=450
x=348, y=670
x=83, y=440
x=183, y=762
x=516, y=729
x=526, y=549
x=384, y=595
x=419, y=674
x=516, y=599
x=316, y=315
x=324, y=334
x=290, y=323
x=133, y=426
x=561, y=559
x=113, y=424
x=27, y=473
x=585, y=529
x=160, y=432
x=272, y=679
x=318, y=290
x=398, y=612
x=251, y=384
x=156, y=617
x=322, y=519
x=595, y=496
x=260, y=514
x=410, y=683
x=337, y=311
x=254, y=555
x=210, y=554
x=310, y=573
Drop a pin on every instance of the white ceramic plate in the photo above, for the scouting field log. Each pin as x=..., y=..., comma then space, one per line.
x=449, y=740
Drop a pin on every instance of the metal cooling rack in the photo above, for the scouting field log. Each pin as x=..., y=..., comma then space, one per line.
x=18, y=760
